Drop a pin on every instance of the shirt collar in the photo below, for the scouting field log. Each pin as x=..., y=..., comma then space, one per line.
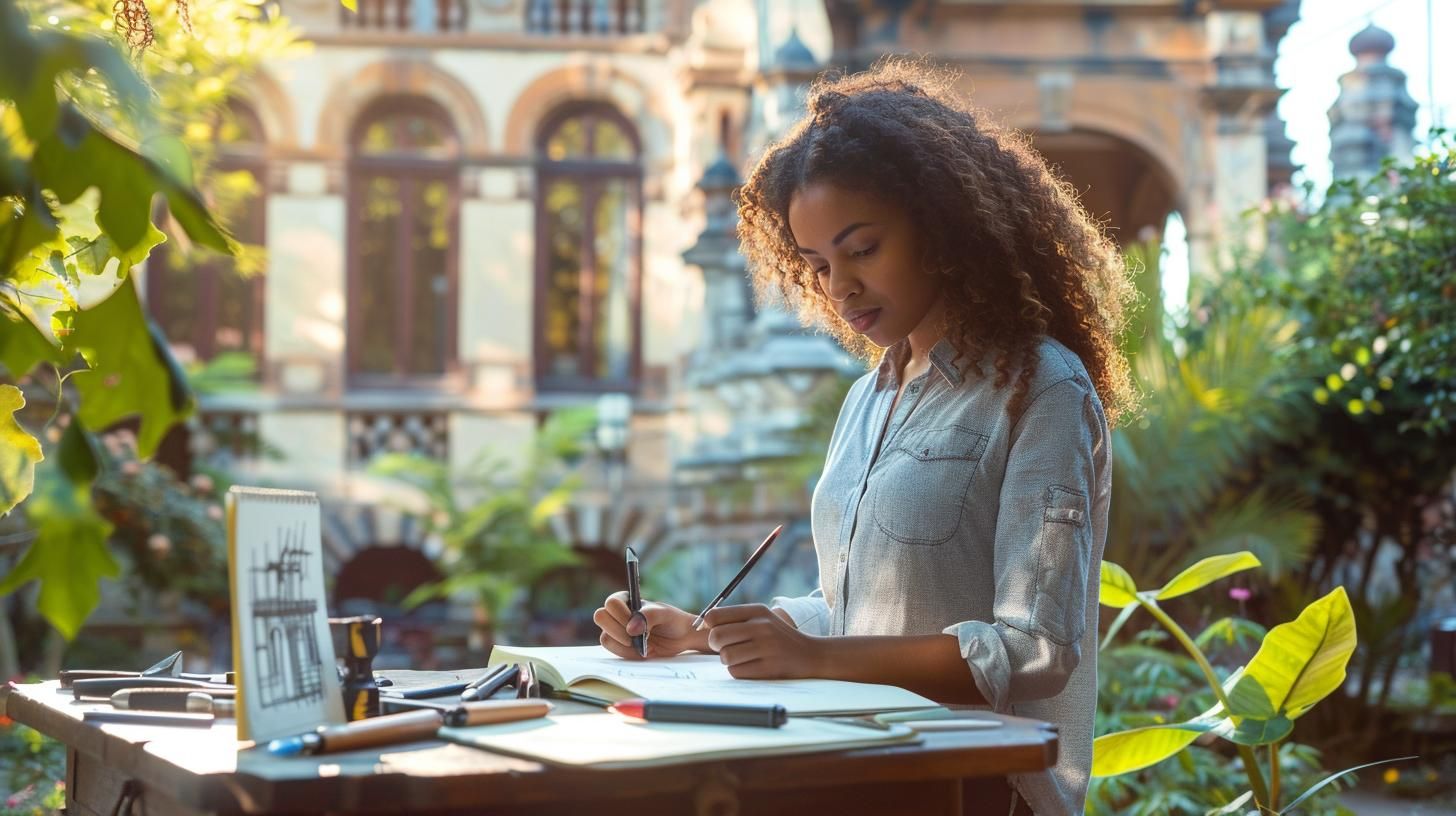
x=942, y=360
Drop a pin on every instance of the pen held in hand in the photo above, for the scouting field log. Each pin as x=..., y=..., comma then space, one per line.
x=634, y=599
x=733, y=584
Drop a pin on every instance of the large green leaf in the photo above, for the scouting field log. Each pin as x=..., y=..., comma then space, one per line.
x=1301, y=661
x=19, y=452
x=1206, y=572
x=131, y=372
x=83, y=156
x=22, y=344
x=1132, y=750
x=68, y=556
x=1118, y=589
x=1262, y=732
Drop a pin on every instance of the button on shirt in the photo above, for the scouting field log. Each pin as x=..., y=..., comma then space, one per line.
x=949, y=516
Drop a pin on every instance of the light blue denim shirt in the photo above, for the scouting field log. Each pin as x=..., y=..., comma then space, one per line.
x=963, y=520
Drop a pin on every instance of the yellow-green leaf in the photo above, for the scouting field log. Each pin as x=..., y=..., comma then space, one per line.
x=68, y=556
x=1118, y=589
x=132, y=372
x=1206, y=572
x=19, y=451
x=1138, y=748
x=1301, y=661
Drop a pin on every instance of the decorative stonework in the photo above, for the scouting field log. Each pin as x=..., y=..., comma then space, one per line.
x=404, y=77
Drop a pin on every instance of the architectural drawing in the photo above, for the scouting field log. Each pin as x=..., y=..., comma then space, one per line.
x=284, y=635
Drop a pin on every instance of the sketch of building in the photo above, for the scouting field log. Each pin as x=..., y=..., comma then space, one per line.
x=285, y=644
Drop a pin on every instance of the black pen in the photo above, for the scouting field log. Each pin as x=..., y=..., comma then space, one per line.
x=733, y=584
x=424, y=691
x=634, y=599
x=485, y=686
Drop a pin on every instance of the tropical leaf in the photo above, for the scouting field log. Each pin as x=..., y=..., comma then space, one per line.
x=1138, y=748
x=1300, y=662
x=1206, y=572
x=1118, y=590
x=19, y=452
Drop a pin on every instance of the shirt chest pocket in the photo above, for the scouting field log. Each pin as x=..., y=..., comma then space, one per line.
x=920, y=489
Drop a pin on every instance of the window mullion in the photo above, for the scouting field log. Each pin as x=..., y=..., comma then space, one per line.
x=403, y=275
x=586, y=305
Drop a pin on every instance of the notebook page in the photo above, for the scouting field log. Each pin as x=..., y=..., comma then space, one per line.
x=703, y=678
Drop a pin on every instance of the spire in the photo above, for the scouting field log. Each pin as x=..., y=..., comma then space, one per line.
x=1372, y=41
x=793, y=55
x=1374, y=115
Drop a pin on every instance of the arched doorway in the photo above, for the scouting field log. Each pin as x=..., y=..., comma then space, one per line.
x=1119, y=184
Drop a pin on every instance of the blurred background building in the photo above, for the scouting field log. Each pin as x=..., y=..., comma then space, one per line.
x=479, y=211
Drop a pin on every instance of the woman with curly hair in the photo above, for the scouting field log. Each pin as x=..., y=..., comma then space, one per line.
x=961, y=516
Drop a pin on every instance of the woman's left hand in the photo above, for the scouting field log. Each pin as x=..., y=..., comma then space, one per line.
x=755, y=643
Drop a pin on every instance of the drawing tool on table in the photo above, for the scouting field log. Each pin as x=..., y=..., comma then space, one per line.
x=104, y=687
x=148, y=718
x=733, y=584
x=485, y=686
x=169, y=666
x=634, y=600
x=425, y=692
x=762, y=716
x=528, y=683
x=407, y=726
x=176, y=699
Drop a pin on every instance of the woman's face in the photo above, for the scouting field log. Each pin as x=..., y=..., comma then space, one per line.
x=866, y=262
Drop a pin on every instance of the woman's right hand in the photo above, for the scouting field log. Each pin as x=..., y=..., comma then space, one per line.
x=671, y=629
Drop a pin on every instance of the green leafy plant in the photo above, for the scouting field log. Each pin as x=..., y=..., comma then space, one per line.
x=77, y=199
x=1296, y=666
x=31, y=770
x=89, y=141
x=494, y=518
x=1370, y=275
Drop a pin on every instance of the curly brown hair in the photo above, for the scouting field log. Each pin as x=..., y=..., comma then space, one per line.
x=1021, y=258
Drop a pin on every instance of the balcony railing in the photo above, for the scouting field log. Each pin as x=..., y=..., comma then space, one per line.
x=424, y=16
x=425, y=433
x=589, y=17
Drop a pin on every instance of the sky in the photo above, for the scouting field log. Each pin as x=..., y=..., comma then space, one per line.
x=1315, y=53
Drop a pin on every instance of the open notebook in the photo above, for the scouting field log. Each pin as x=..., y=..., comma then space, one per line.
x=699, y=678
x=601, y=740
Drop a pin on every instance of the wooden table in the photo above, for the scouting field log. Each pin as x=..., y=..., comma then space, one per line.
x=114, y=770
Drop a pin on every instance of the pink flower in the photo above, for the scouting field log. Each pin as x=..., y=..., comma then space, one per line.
x=1170, y=701
x=1240, y=594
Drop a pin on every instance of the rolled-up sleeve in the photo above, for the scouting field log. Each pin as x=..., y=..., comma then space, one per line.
x=810, y=613
x=1042, y=551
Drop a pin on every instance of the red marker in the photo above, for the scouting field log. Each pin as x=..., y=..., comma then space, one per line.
x=769, y=716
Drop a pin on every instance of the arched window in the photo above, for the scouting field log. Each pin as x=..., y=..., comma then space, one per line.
x=588, y=251
x=404, y=194
x=205, y=305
